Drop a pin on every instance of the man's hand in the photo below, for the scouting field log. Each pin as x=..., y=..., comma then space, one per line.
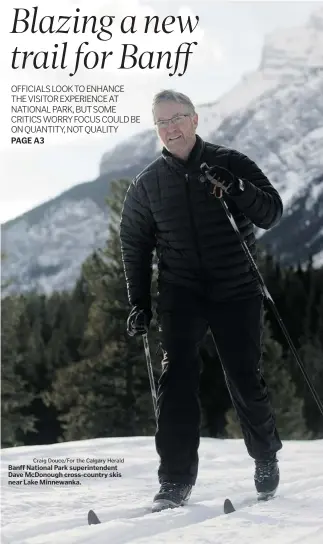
x=138, y=321
x=223, y=179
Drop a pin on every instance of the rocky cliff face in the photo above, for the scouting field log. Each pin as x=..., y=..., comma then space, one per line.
x=274, y=115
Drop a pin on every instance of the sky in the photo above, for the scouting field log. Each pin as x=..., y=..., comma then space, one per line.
x=229, y=37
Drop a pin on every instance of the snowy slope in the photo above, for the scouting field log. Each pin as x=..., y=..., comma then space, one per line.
x=33, y=515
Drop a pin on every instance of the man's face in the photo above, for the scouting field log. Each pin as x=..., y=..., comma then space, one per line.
x=177, y=136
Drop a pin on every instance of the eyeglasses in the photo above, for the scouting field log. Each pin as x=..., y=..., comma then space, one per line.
x=176, y=120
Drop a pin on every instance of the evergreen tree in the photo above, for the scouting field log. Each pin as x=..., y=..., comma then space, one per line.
x=47, y=336
x=111, y=379
x=16, y=393
x=320, y=318
x=310, y=351
x=287, y=405
x=311, y=356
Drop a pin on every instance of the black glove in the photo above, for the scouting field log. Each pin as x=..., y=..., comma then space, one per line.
x=223, y=178
x=138, y=321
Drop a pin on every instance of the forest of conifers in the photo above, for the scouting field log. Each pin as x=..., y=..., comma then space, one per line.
x=70, y=372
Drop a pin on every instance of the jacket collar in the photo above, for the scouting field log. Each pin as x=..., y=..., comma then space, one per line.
x=192, y=163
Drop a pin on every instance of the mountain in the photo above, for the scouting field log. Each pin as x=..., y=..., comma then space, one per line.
x=274, y=115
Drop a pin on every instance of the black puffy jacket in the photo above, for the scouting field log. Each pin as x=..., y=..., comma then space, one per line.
x=167, y=207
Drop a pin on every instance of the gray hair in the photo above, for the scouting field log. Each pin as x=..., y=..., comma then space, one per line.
x=168, y=95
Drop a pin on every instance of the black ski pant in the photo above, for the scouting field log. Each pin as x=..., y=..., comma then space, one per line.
x=237, y=328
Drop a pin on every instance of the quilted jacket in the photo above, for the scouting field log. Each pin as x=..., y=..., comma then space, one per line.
x=168, y=208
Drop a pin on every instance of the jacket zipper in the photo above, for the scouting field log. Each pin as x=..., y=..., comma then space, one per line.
x=193, y=224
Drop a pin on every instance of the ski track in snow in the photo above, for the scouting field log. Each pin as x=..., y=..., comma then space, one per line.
x=54, y=515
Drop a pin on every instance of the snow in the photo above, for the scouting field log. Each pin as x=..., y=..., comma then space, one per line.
x=314, y=194
x=318, y=259
x=292, y=48
x=47, y=514
x=63, y=239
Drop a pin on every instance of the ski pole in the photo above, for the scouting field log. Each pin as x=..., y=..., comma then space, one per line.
x=205, y=169
x=150, y=372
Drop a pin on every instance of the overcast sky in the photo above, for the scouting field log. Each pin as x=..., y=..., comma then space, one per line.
x=230, y=36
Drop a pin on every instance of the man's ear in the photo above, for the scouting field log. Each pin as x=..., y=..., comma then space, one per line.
x=195, y=120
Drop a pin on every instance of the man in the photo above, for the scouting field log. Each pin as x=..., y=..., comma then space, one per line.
x=204, y=281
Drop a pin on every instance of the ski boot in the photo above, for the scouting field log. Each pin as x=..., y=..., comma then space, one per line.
x=171, y=495
x=266, y=477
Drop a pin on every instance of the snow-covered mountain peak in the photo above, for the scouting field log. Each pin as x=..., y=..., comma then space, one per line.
x=316, y=19
x=292, y=50
x=288, y=54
